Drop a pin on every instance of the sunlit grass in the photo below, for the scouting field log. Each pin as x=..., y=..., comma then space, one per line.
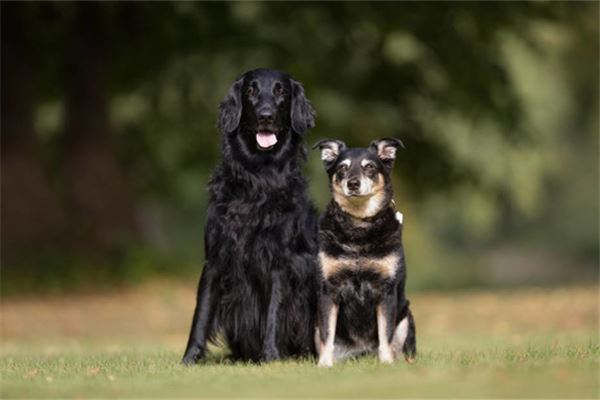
x=520, y=343
x=536, y=369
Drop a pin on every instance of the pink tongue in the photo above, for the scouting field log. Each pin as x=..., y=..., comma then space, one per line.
x=266, y=139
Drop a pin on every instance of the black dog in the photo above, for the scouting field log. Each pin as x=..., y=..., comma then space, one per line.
x=259, y=285
x=362, y=304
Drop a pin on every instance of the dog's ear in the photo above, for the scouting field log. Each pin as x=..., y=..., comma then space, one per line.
x=302, y=113
x=330, y=150
x=386, y=149
x=230, y=109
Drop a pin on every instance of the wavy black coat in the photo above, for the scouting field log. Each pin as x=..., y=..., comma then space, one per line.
x=258, y=288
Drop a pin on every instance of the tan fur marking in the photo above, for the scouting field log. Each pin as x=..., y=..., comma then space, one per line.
x=400, y=334
x=329, y=265
x=386, y=355
x=363, y=206
x=366, y=162
x=327, y=349
x=346, y=162
x=385, y=266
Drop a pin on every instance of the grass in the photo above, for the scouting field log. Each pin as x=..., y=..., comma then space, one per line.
x=519, y=343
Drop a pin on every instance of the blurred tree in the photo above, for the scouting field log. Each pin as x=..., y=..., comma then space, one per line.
x=372, y=68
x=31, y=213
x=140, y=82
x=98, y=192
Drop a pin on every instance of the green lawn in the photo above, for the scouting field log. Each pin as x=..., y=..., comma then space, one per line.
x=523, y=343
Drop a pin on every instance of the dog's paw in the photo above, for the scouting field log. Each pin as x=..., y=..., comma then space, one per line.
x=270, y=355
x=386, y=356
x=192, y=356
x=325, y=362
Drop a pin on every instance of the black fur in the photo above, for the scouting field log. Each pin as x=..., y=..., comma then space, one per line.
x=258, y=288
x=348, y=238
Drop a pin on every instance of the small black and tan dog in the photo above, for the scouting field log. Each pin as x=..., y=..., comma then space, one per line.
x=362, y=304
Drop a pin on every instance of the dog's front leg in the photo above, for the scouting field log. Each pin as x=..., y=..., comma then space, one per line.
x=270, y=351
x=328, y=313
x=203, y=317
x=385, y=328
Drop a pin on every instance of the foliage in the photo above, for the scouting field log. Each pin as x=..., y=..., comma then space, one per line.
x=496, y=103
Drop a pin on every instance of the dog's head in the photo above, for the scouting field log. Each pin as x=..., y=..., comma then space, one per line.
x=264, y=113
x=360, y=178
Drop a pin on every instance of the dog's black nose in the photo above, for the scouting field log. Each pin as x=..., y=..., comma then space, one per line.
x=265, y=116
x=353, y=184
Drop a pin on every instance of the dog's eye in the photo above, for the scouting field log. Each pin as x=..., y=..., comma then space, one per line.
x=250, y=91
x=343, y=168
x=279, y=91
x=369, y=167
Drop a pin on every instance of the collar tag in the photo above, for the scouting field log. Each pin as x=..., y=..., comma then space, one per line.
x=399, y=217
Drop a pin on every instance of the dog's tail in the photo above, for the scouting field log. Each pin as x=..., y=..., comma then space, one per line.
x=409, y=348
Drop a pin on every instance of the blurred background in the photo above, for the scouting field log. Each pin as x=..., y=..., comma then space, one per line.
x=109, y=138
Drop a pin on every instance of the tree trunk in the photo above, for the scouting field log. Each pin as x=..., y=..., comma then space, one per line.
x=31, y=216
x=97, y=187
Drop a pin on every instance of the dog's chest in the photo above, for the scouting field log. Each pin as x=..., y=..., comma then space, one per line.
x=384, y=267
x=252, y=219
x=348, y=250
x=358, y=283
x=259, y=236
